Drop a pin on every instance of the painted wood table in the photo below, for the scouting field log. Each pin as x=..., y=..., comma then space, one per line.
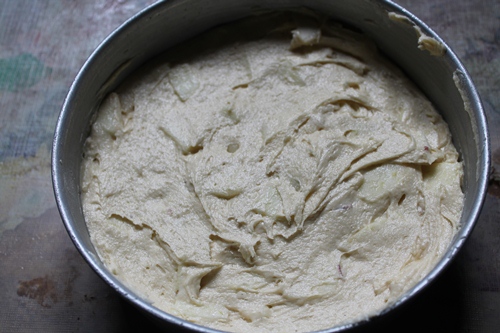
x=45, y=286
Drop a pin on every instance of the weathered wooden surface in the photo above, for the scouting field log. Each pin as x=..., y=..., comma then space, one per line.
x=45, y=286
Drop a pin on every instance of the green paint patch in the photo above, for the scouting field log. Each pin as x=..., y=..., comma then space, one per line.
x=20, y=72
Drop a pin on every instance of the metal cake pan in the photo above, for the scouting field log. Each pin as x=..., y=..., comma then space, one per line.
x=442, y=78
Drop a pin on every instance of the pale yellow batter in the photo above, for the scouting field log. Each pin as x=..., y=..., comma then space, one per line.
x=271, y=177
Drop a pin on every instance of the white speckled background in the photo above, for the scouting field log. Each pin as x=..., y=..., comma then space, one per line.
x=45, y=286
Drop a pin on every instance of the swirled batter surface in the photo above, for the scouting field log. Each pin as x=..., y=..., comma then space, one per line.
x=276, y=175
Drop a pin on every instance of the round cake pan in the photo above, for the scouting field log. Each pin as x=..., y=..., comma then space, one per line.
x=396, y=32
